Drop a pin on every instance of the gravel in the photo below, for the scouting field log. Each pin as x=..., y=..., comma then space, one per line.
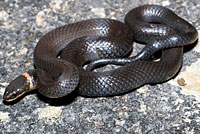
x=163, y=108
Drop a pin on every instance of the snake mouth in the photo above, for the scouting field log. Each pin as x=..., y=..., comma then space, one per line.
x=8, y=97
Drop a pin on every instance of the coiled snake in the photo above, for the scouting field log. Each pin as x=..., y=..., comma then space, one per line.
x=106, y=41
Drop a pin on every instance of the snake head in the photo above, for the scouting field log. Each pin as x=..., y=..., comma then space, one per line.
x=19, y=86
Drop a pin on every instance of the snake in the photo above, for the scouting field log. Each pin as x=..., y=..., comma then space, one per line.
x=61, y=54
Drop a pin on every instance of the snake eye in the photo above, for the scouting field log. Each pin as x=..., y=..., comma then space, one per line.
x=16, y=88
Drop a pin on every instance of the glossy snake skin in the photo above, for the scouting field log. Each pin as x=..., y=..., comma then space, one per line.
x=106, y=41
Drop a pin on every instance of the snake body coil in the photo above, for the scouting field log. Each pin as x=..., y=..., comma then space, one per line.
x=106, y=41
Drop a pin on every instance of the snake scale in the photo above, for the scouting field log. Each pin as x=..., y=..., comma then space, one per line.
x=60, y=55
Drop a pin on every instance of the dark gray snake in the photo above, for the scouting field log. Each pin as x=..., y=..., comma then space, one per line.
x=106, y=41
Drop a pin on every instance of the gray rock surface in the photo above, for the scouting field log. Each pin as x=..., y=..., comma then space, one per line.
x=171, y=107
